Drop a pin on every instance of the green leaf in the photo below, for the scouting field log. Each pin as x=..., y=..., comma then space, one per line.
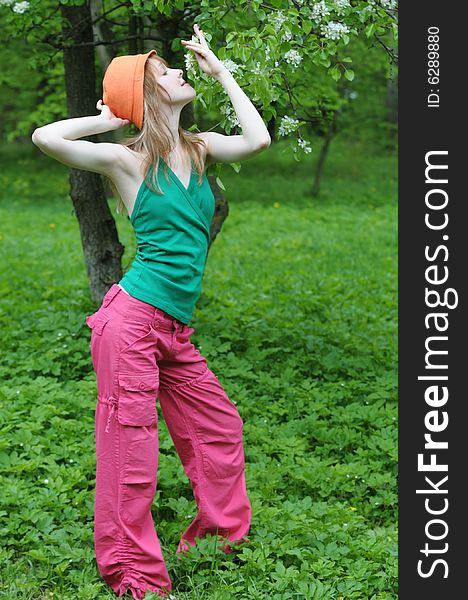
x=370, y=29
x=220, y=183
x=335, y=72
x=349, y=74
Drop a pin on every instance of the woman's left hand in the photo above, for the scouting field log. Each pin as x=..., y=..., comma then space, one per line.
x=206, y=58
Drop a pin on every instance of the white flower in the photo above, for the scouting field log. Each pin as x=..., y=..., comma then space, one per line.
x=46, y=481
x=190, y=61
x=231, y=116
x=257, y=69
x=334, y=30
x=277, y=19
x=319, y=10
x=341, y=5
x=286, y=37
x=293, y=57
x=305, y=145
x=230, y=65
x=287, y=125
x=21, y=7
x=5, y=2
x=391, y=4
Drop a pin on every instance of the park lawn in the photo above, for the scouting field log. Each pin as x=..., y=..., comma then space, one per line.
x=298, y=318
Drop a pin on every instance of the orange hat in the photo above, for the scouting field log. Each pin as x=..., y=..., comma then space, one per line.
x=123, y=86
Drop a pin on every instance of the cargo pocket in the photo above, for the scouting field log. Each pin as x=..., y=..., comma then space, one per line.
x=222, y=458
x=97, y=322
x=223, y=455
x=138, y=481
x=137, y=399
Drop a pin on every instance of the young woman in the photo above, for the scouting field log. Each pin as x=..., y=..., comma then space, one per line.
x=140, y=340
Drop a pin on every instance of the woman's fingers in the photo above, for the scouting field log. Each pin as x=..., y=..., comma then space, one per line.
x=196, y=47
x=200, y=35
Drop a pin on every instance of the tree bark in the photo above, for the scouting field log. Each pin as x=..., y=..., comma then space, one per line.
x=323, y=154
x=101, y=247
x=102, y=33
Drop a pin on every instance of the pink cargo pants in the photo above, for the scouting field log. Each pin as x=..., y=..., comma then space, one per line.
x=141, y=353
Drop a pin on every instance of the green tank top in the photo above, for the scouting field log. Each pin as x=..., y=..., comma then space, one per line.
x=172, y=234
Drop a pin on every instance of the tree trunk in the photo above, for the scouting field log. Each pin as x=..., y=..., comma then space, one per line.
x=101, y=247
x=323, y=154
x=102, y=33
x=272, y=124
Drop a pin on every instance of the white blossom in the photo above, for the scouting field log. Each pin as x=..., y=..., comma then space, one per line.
x=293, y=57
x=341, y=5
x=287, y=125
x=391, y=4
x=257, y=70
x=319, y=10
x=305, y=145
x=334, y=30
x=190, y=61
x=277, y=19
x=231, y=116
x=189, y=56
x=287, y=36
x=21, y=7
x=6, y=2
x=369, y=7
x=230, y=65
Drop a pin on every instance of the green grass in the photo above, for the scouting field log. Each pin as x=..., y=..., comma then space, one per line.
x=298, y=318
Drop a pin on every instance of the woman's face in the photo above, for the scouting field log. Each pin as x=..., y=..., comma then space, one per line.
x=172, y=81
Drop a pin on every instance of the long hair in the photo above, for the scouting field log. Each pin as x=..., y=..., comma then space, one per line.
x=154, y=139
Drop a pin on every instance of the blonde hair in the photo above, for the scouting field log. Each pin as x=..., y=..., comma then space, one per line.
x=154, y=140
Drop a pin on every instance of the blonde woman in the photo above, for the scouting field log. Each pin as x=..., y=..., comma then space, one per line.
x=140, y=339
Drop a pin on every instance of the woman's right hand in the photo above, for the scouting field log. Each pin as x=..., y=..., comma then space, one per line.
x=112, y=122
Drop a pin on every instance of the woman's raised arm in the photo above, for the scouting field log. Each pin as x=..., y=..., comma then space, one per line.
x=59, y=140
x=255, y=136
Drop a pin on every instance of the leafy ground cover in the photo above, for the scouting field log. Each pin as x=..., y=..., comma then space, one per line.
x=298, y=318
